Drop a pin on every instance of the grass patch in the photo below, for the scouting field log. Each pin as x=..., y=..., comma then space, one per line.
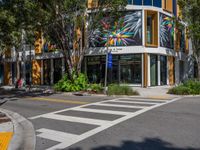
x=115, y=89
x=190, y=87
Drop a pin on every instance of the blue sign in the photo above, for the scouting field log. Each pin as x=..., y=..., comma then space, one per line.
x=109, y=60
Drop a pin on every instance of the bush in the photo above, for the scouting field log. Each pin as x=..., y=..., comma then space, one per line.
x=190, y=87
x=97, y=88
x=115, y=89
x=79, y=82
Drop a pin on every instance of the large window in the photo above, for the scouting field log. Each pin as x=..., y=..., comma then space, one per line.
x=153, y=70
x=151, y=28
x=125, y=69
x=163, y=70
x=57, y=63
x=156, y=3
x=130, y=69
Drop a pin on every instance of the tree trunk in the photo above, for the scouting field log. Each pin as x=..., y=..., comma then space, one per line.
x=198, y=64
x=18, y=66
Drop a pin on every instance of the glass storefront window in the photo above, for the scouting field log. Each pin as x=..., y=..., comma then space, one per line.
x=47, y=70
x=57, y=63
x=125, y=69
x=137, y=2
x=157, y=3
x=153, y=70
x=147, y=2
x=163, y=70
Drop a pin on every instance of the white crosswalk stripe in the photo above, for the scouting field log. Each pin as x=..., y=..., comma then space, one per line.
x=101, y=111
x=76, y=119
x=67, y=139
x=116, y=105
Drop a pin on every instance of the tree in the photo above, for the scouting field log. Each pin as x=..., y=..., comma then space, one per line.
x=15, y=23
x=190, y=12
x=63, y=22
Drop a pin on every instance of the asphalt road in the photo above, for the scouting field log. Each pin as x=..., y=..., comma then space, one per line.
x=77, y=122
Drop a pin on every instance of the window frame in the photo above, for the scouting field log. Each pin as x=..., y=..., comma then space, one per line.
x=154, y=15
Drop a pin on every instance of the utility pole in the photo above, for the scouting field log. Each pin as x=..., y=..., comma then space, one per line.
x=106, y=68
x=30, y=80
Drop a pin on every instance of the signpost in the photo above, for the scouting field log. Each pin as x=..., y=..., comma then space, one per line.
x=109, y=60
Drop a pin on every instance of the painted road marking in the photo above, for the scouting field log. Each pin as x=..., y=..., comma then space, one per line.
x=5, y=138
x=60, y=136
x=146, y=100
x=102, y=124
x=116, y=105
x=57, y=100
x=134, y=102
x=76, y=119
x=112, y=112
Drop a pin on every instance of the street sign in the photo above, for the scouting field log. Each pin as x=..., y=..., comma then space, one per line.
x=109, y=60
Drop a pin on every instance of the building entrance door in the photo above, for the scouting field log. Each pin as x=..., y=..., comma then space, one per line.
x=153, y=70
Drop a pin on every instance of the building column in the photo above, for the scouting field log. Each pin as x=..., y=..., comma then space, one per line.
x=145, y=70
x=158, y=72
x=42, y=72
x=52, y=72
x=177, y=72
x=148, y=68
x=143, y=27
x=63, y=66
x=171, y=70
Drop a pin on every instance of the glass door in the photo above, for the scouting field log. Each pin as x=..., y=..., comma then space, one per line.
x=163, y=70
x=57, y=64
x=47, y=71
x=153, y=70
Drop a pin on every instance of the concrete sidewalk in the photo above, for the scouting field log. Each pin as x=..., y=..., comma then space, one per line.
x=155, y=92
x=16, y=133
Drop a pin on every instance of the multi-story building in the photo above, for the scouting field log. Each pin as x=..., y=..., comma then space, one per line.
x=147, y=49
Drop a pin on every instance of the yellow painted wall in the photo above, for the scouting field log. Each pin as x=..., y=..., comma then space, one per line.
x=36, y=72
x=38, y=43
x=167, y=5
x=92, y=3
x=186, y=41
x=7, y=74
x=8, y=53
x=171, y=70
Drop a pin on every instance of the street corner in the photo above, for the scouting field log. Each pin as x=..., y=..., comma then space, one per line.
x=16, y=132
x=6, y=131
x=5, y=138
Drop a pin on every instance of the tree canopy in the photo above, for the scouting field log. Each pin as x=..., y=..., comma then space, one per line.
x=191, y=15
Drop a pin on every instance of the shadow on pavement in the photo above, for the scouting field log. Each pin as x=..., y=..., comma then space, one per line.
x=20, y=93
x=146, y=144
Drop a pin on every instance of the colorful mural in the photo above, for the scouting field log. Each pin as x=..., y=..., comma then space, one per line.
x=166, y=31
x=126, y=31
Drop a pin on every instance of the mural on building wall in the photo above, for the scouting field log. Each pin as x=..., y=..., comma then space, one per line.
x=166, y=31
x=126, y=31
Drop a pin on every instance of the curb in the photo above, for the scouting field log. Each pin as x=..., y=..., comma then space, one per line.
x=24, y=134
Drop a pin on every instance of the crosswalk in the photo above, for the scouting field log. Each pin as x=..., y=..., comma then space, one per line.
x=123, y=108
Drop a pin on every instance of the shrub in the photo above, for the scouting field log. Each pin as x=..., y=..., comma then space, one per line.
x=115, y=89
x=79, y=82
x=189, y=87
x=96, y=88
